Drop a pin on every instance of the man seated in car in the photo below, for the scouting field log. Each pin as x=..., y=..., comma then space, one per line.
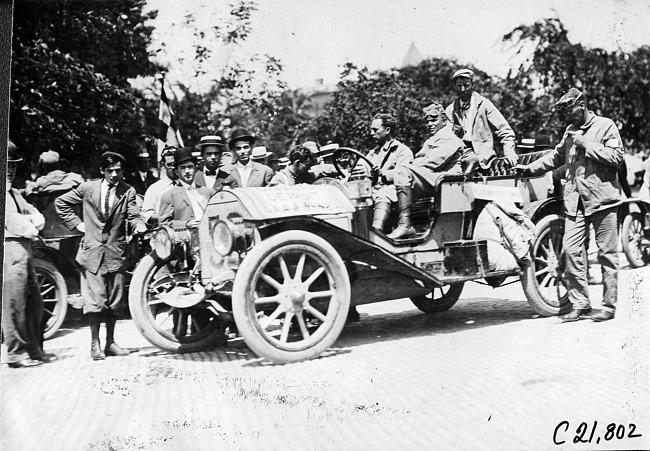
x=301, y=159
x=440, y=154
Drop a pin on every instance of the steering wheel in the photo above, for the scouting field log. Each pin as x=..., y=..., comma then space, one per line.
x=338, y=160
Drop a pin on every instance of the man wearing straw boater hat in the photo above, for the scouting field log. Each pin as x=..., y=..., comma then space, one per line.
x=213, y=174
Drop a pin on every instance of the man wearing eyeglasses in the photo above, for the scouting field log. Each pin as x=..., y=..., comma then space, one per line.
x=479, y=123
x=592, y=150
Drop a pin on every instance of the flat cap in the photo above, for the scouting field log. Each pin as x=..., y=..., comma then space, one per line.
x=113, y=155
x=463, y=73
x=435, y=109
x=49, y=157
x=571, y=95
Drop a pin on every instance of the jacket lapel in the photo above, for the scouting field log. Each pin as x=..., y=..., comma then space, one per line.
x=96, y=199
x=120, y=191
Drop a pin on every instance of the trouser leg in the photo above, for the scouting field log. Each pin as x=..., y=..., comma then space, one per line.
x=575, y=274
x=606, y=228
x=15, y=333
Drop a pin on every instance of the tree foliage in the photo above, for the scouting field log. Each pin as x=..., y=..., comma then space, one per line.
x=70, y=64
x=616, y=84
x=403, y=92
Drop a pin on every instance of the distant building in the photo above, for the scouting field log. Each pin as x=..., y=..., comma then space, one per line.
x=318, y=97
x=413, y=56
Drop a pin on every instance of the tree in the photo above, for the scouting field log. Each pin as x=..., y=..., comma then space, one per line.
x=403, y=92
x=616, y=84
x=224, y=84
x=70, y=64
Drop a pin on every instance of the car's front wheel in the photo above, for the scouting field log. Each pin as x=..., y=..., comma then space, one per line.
x=542, y=279
x=291, y=297
x=172, y=328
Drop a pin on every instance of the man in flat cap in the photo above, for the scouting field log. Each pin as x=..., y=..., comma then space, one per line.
x=22, y=305
x=592, y=150
x=440, y=153
x=480, y=125
x=213, y=174
x=52, y=178
x=246, y=173
x=109, y=207
x=142, y=178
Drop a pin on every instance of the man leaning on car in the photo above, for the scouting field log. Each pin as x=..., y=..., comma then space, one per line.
x=592, y=150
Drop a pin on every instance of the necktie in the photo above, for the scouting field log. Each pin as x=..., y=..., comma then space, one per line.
x=210, y=172
x=106, y=200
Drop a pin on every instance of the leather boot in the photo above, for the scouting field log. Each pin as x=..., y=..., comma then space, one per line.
x=112, y=348
x=404, y=228
x=94, y=320
x=382, y=210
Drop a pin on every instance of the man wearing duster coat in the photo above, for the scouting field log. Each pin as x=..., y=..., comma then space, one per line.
x=592, y=150
x=109, y=207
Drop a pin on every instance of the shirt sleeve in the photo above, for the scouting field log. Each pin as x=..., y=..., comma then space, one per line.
x=22, y=225
x=609, y=150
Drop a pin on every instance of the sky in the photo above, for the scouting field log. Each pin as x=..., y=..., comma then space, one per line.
x=313, y=39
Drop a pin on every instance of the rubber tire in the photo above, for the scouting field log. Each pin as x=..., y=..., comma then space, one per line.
x=47, y=269
x=632, y=251
x=244, y=285
x=529, y=280
x=143, y=320
x=427, y=304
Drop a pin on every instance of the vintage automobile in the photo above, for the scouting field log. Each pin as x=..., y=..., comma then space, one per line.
x=287, y=263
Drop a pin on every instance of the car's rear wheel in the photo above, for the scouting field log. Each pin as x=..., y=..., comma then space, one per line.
x=542, y=279
x=171, y=328
x=54, y=292
x=440, y=299
x=632, y=239
x=291, y=297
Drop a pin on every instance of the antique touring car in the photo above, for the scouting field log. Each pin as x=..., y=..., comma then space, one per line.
x=287, y=263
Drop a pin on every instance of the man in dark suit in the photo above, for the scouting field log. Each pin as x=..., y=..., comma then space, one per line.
x=142, y=178
x=183, y=206
x=109, y=206
x=213, y=174
x=246, y=173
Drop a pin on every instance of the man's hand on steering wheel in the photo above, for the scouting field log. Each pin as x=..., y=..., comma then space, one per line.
x=354, y=156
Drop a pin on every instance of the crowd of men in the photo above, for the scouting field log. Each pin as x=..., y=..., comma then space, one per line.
x=468, y=134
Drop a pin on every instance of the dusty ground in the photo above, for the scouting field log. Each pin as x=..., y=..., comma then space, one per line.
x=488, y=374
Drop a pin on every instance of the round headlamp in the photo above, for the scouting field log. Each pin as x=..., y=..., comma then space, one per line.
x=222, y=238
x=162, y=242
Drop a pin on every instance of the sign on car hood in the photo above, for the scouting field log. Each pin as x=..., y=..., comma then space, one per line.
x=283, y=201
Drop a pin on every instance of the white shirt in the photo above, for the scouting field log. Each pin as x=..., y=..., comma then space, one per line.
x=197, y=201
x=151, y=202
x=245, y=172
x=22, y=220
x=465, y=115
x=102, y=196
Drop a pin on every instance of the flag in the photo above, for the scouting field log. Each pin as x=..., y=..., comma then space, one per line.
x=168, y=134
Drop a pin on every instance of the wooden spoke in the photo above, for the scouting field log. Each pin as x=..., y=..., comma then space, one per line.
x=269, y=319
x=271, y=281
x=285, y=327
x=303, y=326
x=313, y=277
x=318, y=315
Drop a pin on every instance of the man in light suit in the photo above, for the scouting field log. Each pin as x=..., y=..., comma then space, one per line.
x=246, y=173
x=109, y=207
x=480, y=125
x=183, y=206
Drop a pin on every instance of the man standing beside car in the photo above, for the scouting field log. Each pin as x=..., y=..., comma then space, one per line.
x=22, y=305
x=592, y=150
x=480, y=125
x=109, y=207
x=151, y=203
